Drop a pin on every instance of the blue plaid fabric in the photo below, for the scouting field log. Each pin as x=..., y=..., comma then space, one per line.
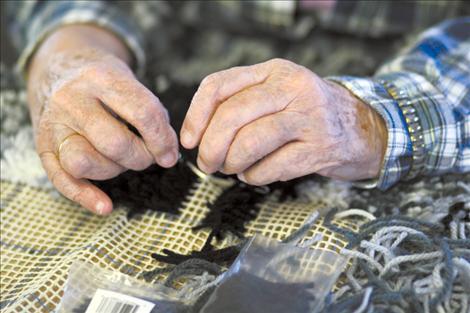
x=434, y=76
x=32, y=21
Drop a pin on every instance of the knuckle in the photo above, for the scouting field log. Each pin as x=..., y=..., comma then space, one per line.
x=58, y=179
x=281, y=63
x=147, y=116
x=210, y=84
x=210, y=80
x=243, y=153
x=104, y=74
x=76, y=194
x=248, y=146
x=140, y=159
x=117, y=146
x=208, y=159
x=202, y=163
x=159, y=134
x=281, y=131
x=168, y=138
x=78, y=165
x=278, y=61
x=94, y=70
x=303, y=74
x=54, y=177
x=227, y=115
x=232, y=164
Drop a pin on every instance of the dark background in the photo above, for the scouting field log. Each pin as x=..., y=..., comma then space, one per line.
x=8, y=52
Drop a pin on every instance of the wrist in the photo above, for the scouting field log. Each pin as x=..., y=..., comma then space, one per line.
x=372, y=135
x=366, y=135
x=73, y=38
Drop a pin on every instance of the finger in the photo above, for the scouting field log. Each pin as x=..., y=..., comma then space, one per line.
x=77, y=190
x=112, y=138
x=138, y=106
x=215, y=89
x=293, y=160
x=239, y=110
x=258, y=139
x=78, y=158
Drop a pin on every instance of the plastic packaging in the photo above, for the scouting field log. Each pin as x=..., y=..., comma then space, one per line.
x=273, y=277
x=267, y=276
x=91, y=289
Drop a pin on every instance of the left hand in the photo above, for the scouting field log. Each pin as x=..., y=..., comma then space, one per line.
x=277, y=120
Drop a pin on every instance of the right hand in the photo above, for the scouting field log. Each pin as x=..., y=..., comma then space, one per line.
x=78, y=99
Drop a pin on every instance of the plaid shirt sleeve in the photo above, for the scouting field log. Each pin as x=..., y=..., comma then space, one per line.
x=433, y=78
x=32, y=21
x=380, y=18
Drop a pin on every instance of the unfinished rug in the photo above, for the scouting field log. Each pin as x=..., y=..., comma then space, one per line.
x=408, y=247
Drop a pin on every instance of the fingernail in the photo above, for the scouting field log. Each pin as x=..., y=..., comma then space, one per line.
x=168, y=159
x=241, y=177
x=186, y=138
x=99, y=208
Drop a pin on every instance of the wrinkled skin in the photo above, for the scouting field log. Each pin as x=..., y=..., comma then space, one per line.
x=80, y=90
x=276, y=121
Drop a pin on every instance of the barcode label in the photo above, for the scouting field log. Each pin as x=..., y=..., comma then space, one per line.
x=105, y=301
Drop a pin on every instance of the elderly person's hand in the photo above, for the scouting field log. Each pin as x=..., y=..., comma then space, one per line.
x=276, y=121
x=80, y=90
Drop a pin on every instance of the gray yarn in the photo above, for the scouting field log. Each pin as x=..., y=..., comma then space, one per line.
x=192, y=267
x=412, y=265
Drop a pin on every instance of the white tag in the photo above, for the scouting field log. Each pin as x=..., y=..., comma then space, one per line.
x=105, y=301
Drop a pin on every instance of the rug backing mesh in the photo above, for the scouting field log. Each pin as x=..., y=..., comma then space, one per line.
x=43, y=233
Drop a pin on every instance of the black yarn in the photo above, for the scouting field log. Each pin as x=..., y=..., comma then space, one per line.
x=154, y=188
x=288, y=189
x=164, y=190
x=454, y=210
x=230, y=212
x=220, y=256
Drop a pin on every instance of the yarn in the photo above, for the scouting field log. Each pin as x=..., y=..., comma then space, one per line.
x=229, y=213
x=236, y=206
x=412, y=265
x=220, y=256
x=443, y=200
x=154, y=188
x=295, y=237
x=366, y=299
x=192, y=267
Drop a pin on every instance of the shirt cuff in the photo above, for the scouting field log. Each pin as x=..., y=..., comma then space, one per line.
x=398, y=156
x=82, y=12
